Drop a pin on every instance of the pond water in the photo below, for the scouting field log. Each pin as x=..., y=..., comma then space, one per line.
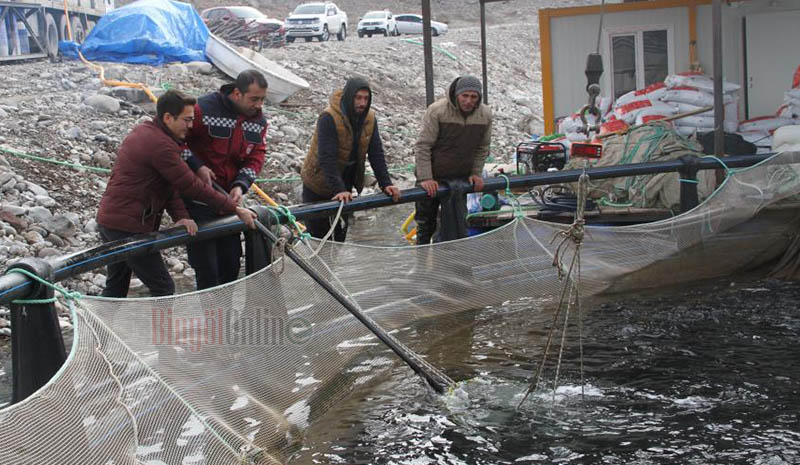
x=701, y=375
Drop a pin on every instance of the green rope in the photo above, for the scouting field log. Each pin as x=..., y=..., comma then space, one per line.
x=728, y=171
x=445, y=52
x=502, y=212
x=291, y=219
x=268, y=180
x=288, y=112
x=607, y=203
x=53, y=161
x=550, y=137
x=515, y=201
x=637, y=184
x=402, y=169
x=68, y=294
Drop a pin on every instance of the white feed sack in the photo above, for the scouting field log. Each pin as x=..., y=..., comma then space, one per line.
x=629, y=112
x=704, y=83
x=786, y=139
x=764, y=124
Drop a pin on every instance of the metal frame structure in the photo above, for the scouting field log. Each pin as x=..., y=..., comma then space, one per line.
x=23, y=12
x=428, y=47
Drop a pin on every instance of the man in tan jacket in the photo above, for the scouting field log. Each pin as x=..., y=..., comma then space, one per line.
x=453, y=145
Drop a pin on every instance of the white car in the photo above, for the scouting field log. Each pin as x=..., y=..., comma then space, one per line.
x=377, y=22
x=412, y=24
x=318, y=20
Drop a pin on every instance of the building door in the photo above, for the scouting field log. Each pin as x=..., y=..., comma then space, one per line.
x=773, y=55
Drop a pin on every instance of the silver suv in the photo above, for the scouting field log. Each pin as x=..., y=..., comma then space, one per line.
x=377, y=22
x=318, y=20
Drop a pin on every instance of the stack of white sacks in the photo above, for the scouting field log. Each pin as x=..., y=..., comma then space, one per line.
x=683, y=93
x=679, y=93
x=690, y=92
x=760, y=130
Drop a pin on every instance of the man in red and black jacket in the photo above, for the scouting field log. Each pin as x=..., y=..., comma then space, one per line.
x=148, y=178
x=227, y=145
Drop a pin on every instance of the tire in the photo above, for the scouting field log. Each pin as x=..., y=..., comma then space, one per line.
x=342, y=32
x=78, y=30
x=326, y=35
x=289, y=39
x=308, y=39
x=369, y=35
x=434, y=32
x=360, y=35
x=62, y=28
x=51, y=35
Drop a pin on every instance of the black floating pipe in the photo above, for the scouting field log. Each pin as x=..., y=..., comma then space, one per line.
x=688, y=180
x=37, y=347
x=322, y=209
x=15, y=286
x=438, y=383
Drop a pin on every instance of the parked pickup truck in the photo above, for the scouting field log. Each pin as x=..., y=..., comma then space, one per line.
x=318, y=20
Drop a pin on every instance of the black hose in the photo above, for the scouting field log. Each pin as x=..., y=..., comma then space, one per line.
x=437, y=381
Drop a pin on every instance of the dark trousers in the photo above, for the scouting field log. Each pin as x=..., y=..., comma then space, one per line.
x=150, y=269
x=426, y=219
x=318, y=227
x=215, y=261
x=448, y=214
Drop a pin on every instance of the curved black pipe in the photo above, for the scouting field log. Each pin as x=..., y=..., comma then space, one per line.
x=438, y=383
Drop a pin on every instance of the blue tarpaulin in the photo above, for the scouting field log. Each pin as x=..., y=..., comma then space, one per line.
x=148, y=31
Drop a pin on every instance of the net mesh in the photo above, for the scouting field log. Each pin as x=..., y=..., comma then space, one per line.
x=237, y=373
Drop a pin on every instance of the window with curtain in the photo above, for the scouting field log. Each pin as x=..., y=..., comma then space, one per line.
x=639, y=58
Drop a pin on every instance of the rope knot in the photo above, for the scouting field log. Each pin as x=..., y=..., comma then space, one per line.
x=280, y=252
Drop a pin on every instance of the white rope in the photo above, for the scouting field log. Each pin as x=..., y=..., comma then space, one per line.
x=324, y=239
x=166, y=385
x=574, y=234
x=98, y=348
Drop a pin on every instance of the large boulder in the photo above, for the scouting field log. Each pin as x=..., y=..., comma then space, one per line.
x=36, y=189
x=201, y=67
x=39, y=214
x=103, y=103
x=61, y=225
x=129, y=94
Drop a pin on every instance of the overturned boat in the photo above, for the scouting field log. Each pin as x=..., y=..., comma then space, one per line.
x=232, y=60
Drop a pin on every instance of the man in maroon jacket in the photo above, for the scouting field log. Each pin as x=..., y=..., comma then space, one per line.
x=150, y=176
x=228, y=143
